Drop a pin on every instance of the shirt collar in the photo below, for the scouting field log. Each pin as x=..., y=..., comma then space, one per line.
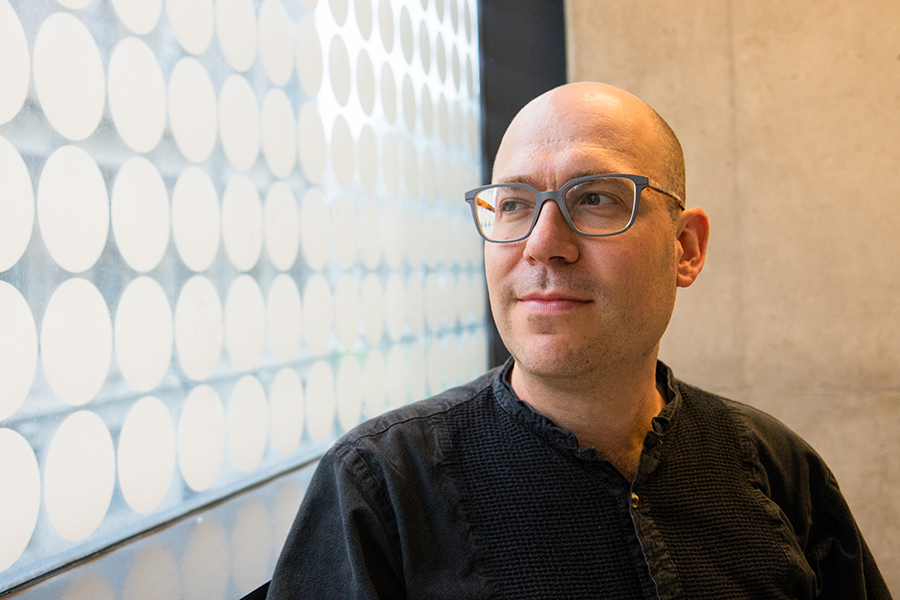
x=526, y=415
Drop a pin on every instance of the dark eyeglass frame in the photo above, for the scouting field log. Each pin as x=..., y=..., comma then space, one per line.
x=640, y=183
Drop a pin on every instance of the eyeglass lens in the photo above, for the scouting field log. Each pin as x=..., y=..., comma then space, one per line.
x=600, y=206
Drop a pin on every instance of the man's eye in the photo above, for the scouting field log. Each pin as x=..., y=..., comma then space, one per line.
x=511, y=205
x=595, y=199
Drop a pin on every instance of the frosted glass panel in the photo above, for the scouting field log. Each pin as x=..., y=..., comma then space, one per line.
x=230, y=231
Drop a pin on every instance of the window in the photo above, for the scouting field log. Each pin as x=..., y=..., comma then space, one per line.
x=229, y=232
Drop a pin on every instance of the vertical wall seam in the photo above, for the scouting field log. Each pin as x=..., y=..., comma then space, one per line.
x=741, y=312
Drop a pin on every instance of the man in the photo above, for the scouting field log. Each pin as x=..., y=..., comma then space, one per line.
x=582, y=468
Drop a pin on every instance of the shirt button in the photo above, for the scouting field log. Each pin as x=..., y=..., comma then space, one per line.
x=634, y=500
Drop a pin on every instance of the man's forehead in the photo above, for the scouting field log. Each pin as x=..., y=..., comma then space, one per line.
x=579, y=128
x=587, y=106
x=539, y=163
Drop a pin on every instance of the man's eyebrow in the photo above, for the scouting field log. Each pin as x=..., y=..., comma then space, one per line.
x=517, y=179
x=529, y=181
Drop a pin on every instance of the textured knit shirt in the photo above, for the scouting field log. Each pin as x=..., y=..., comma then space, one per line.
x=473, y=494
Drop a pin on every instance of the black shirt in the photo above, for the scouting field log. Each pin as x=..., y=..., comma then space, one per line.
x=473, y=494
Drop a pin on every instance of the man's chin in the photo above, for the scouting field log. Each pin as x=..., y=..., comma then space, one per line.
x=549, y=362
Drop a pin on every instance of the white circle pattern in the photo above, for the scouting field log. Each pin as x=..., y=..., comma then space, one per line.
x=146, y=454
x=143, y=334
x=196, y=227
x=140, y=214
x=312, y=143
x=239, y=122
x=192, y=22
x=79, y=475
x=315, y=229
x=137, y=94
x=68, y=76
x=140, y=16
x=343, y=154
x=430, y=316
x=347, y=310
x=73, y=209
x=19, y=472
x=199, y=331
x=245, y=322
x=17, y=210
x=192, y=110
x=201, y=438
x=308, y=56
x=339, y=70
x=276, y=42
x=320, y=401
x=18, y=349
x=346, y=231
x=318, y=314
x=236, y=29
x=286, y=411
x=76, y=341
x=279, y=137
x=285, y=317
x=15, y=65
x=282, y=226
x=248, y=423
x=348, y=390
x=242, y=223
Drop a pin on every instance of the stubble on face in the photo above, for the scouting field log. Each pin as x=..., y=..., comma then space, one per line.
x=620, y=324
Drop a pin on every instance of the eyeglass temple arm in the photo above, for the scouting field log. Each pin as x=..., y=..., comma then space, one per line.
x=482, y=204
x=655, y=186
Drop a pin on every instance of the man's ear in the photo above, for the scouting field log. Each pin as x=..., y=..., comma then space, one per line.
x=692, y=234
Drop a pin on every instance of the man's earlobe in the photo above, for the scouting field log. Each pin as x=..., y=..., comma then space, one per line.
x=692, y=236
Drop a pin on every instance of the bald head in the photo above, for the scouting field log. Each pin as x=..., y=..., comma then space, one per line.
x=594, y=115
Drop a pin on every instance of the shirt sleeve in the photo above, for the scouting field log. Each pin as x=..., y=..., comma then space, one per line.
x=801, y=484
x=343, y=542
x=837, y=552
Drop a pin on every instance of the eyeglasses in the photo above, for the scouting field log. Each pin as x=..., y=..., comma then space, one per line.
x=594, y=206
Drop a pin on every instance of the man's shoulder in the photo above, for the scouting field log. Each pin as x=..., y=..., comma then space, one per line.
x=759, y=426
x=786, y=464
x=416, y=422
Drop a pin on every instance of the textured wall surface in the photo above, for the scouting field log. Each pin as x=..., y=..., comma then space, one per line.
x=789, y=113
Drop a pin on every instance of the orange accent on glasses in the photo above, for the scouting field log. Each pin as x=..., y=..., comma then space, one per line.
x=482, y=204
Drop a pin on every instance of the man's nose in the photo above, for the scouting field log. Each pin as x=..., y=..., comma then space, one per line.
x=552, y=238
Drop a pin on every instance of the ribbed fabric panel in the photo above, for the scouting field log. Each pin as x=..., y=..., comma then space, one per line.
x=551, y=525
x=733, y=549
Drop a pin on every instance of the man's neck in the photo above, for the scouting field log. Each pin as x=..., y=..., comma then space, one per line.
x=610, y=413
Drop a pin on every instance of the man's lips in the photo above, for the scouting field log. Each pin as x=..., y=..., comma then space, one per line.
x=552, y=303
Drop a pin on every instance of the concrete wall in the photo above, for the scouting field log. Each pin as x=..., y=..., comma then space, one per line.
x=789, y=113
